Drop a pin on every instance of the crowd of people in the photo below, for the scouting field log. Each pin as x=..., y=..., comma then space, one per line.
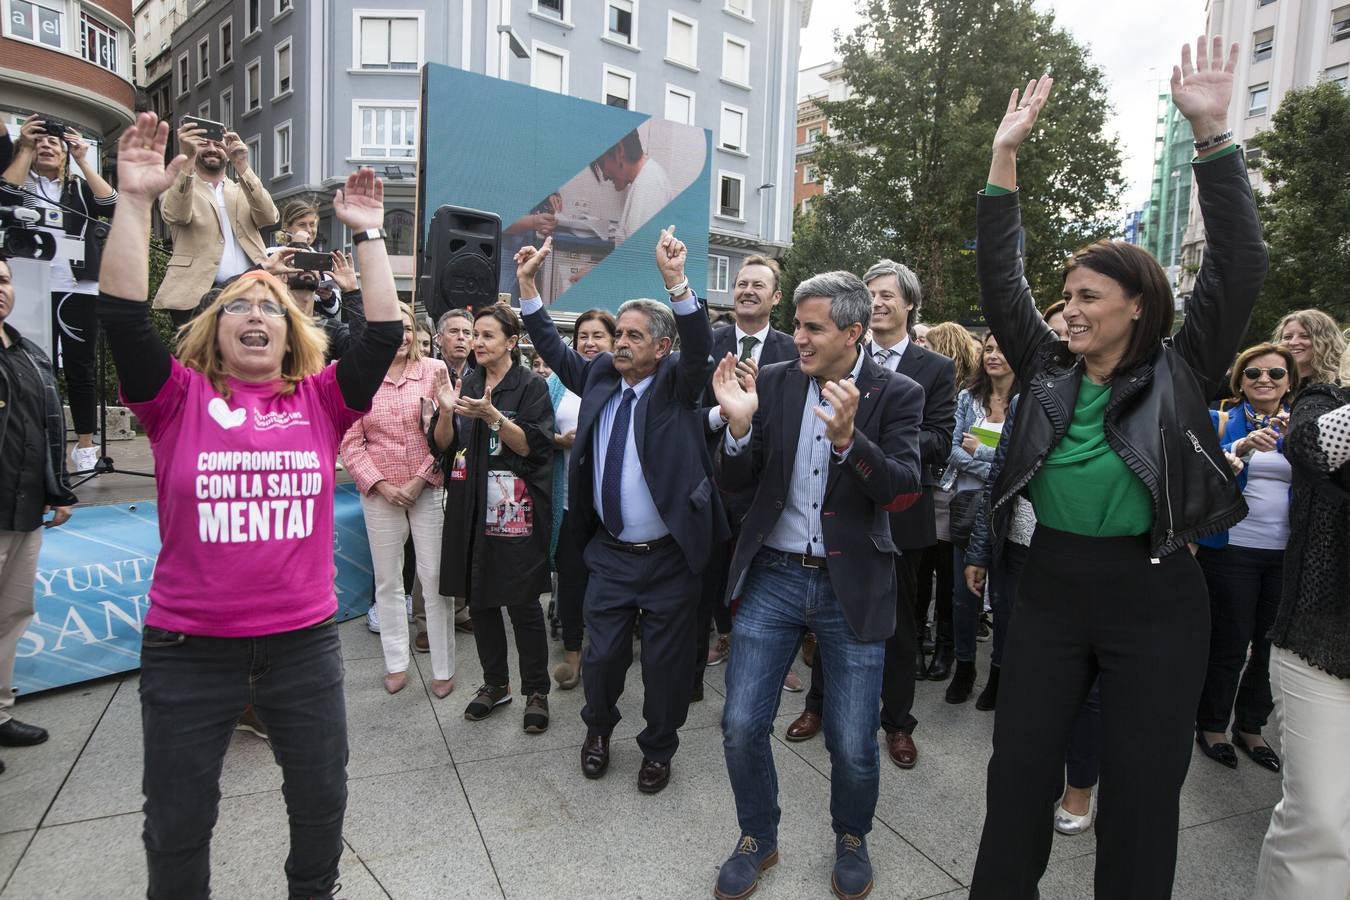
x=1150, y=523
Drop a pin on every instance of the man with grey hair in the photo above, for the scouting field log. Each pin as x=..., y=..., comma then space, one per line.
x=830, y=442
x=895, y=298
x=641, y=501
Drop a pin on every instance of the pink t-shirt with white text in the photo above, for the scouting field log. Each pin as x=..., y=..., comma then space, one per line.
x=245, y=503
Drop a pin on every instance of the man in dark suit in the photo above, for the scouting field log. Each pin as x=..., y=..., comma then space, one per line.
x=642, y=502
x=755, y=344
x=830, y=445
x=895, y=302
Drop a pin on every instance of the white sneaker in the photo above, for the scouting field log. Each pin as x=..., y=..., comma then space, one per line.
x=373, y=619
x=408, y=602
x=83, y=459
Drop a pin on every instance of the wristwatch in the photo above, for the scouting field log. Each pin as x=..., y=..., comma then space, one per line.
x=497, y=425
x=370, y=234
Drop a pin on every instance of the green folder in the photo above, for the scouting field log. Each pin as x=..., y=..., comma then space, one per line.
x=986, y=436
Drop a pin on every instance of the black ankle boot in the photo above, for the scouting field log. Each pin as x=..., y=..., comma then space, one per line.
x=940, y=669
x=963, y=680
x=988, y=698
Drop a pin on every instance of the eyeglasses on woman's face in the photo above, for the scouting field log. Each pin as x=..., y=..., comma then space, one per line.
x=241, y=307
x=1277, y=373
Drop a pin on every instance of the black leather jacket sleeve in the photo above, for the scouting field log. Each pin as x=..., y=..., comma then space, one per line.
x=1005, y=294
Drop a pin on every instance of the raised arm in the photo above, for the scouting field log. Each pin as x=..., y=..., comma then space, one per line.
x=569, y=365
x=16, y=173
x=261, y=207
x=691, y=320
x=176, y=203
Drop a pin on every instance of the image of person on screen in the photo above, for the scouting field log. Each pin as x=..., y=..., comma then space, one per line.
x=529, y=230
x=640, y=178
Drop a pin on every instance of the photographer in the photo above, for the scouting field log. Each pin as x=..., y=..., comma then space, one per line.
x=39, y=177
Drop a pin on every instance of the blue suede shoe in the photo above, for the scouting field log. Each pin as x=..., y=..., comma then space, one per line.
x=852, y=878
x=740, y=873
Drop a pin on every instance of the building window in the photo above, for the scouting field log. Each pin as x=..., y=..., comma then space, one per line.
x=1261, y=3
x=679, y=105
x=810, y=175
x=719, y=274
x=729, y=195
x=400, y=226
x=281, y=65
x=252, y=16
x=253, y=85
x=204, y=110
x=806, y=204
x=618, y=88
x=1338, y=75
x=226, y=42
x=735, y=60
x=390, y=43
x=283, y=6
x=739, y=7
x=1257, y=99
x=181, y=75
x=682, y=40
x=548, y=68
x=254, y=145
x=1340, y=24
x=40, y=21
x=203, y=59
x=556, y=9
x=1263, y=44
x=282, y=149
x=813, y=134
x=227, y=107
x=732, y=134
x=620, y=20
x=98, y=42
x=386, y=132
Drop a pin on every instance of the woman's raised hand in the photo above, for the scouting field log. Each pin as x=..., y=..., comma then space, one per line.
x=1202, y=91
x=1023, y=109
x=359, y=204
x=141, y=173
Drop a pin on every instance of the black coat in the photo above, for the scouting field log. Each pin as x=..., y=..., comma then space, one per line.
x=495, y=553
x=880, y=473
x=916, y=528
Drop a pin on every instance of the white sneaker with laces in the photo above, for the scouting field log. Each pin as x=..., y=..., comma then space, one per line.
x=373, y=619
x=83, y=459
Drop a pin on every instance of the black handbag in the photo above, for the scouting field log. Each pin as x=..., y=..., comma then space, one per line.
x=964, y=506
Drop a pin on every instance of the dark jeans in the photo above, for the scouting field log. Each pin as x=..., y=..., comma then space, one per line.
x=75, y=327
x=192, y=691
x=897, y=680
x=1003, y=580
x=1095, y=609
x=966, y=609
x=780, y=602
x=935, y=569
x=1244, y=595
x=489, y=635
x=572, y=578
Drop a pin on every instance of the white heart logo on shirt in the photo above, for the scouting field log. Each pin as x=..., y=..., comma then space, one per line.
x=227, y=418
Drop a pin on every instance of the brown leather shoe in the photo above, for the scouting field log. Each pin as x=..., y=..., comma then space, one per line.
x=421, y=644
x=653, y=776
x=595, y=756
x=804, y=727
x=902, y=750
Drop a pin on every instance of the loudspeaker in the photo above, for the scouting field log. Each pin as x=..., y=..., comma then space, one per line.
x=461, y=262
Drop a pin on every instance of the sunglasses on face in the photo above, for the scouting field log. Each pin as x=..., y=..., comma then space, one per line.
x=1276, y=373
x=241, y=307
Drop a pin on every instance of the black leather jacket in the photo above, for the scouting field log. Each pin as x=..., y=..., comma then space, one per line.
x=1157, y=419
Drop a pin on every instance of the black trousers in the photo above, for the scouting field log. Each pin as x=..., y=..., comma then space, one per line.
x=489, y=634
x=662, y=588
x=712, y=605
x=75, y=328
x=935, y=568
x=1244, y=595
x=1095, y=608
x=572, y=579
x=897, y=678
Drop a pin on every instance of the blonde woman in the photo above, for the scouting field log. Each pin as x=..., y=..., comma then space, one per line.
x=959, y=345
x=1316, y=342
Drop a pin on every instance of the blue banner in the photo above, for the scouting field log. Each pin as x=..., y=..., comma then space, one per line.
x=93, y=585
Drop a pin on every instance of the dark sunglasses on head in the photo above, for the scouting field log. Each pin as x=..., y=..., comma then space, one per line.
x=1277, y=373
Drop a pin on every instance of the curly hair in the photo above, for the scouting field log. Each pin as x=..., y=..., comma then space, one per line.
x=956, y=343
x=1327, y=342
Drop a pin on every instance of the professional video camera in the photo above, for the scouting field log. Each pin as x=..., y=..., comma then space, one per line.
x=19, y=236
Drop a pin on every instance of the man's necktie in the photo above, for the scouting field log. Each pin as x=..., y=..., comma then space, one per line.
x=611, y=509
x=748, y=345
x=881, y=355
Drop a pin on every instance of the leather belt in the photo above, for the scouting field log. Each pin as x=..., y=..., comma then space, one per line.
x=802, y=559
x=639, y=548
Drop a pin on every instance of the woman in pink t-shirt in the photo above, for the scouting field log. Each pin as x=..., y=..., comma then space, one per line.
x=400, y=482
x=245, y=430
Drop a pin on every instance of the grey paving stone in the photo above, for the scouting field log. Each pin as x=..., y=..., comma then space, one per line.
x=12, y=846
x=389, y=733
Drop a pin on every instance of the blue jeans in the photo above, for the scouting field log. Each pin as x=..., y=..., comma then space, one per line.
x=780, y=601
x=966, y=609
x=192, y=692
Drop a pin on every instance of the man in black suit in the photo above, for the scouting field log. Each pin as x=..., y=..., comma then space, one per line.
x=830, y=445
x=895, y=302
x=642, y=502
x=755, y=344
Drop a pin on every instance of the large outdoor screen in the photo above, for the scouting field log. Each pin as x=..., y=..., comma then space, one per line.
x=602, y=180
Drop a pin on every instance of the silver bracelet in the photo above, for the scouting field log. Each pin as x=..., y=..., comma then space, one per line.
x=1213, y=141
x=678, y=289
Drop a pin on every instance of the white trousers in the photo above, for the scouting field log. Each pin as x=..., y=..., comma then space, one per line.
x=18, y=566
x=387, y=528
x=1306, y=854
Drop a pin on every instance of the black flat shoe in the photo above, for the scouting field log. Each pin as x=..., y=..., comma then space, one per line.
x=1220, y=753
x=1264, y=757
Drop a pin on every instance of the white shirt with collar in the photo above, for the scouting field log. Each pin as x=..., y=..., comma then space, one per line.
x=897, y=352
x=233, y=260
x=715, y=412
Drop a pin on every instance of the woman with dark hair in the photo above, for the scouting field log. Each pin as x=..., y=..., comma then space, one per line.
x=494, y=431
x=40, y=177
x=981, y=410
x=1244, y=566
x=593, y=334
x=1114, y=447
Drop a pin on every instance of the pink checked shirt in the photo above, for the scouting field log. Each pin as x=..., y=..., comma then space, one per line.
x=390, y=442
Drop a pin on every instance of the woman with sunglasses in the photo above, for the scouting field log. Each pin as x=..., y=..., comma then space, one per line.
x=1244, y=566
x=244, y=426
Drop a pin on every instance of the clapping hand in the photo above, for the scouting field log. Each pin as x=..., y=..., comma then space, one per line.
x=483, y=409
x=1202, y=91
x=843, y=399
x=736, y=395
x=141, y=173
x=448, y=397
x=359, y=204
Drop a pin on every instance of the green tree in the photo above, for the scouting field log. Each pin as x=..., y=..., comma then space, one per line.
x=907, y=152
x=1305, y=207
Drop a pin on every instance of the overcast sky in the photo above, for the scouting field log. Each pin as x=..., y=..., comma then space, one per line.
x=1135, y=43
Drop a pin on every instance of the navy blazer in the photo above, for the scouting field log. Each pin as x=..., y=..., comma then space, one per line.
x=916, y=527
x=880, y=475
x=667, y=433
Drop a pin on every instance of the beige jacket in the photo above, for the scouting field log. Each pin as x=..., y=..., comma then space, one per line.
x=189, y=206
